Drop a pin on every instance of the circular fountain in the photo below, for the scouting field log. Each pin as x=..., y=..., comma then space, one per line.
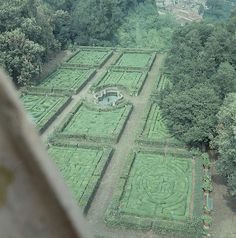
x=108, y=97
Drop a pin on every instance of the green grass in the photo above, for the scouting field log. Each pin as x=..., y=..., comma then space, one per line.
x=82, y=169
x=66, y=79
x=154, y=189
x=154, y=129
x=89, y=57
x=42, y=108
x=132, y=81
x=94, y=123
x=134, y=60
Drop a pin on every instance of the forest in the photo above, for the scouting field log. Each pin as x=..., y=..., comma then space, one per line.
x=200, y=105
x=41, y=28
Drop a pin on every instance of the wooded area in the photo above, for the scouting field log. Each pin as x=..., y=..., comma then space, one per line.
x=201, y=65
x=42, y=27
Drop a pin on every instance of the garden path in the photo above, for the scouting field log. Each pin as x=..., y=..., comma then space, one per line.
x=122, y=149
x=224, y=211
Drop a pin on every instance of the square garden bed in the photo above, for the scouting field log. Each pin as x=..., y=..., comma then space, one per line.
x=159, y=192
x=94, y=124
x=43, y=109
x=82, y=168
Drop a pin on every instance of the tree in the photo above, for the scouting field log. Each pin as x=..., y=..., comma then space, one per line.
x=191, y=114
x=224, y=80
x=226, y=141
x=21, y=57
x=61, y=22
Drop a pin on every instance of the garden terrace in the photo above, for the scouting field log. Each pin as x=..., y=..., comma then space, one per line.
x=140, y=184
x=65, y=80
x=82, y=169
x=96, y=124
x=130, y=80
x=156, y=191
x=154, y=130
x=90, y=57
x=43, y=109
x=135, y=60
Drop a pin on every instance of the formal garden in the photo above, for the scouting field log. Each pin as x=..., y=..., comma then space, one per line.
x=160, y=187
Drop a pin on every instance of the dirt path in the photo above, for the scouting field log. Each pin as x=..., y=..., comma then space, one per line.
x=122, y=149
x=224, y=212
x=78, y=97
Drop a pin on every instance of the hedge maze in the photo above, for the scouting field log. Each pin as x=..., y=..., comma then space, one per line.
x=155, y=192
x=82, y=169
x=129, y=80
x=43, y=109
x=159, y=187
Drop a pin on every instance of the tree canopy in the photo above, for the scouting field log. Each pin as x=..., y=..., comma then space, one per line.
x=226, y=141
x=42, y=27
x=201, y=66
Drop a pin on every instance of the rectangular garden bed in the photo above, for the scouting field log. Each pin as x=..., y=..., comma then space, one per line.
x=65, y=80
x=135, y=59
x=153, y=129
x=90, y=123
x=43, y=109
x=157, y=192
x=90, y=57
x=131, y=81
x=82, y=168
